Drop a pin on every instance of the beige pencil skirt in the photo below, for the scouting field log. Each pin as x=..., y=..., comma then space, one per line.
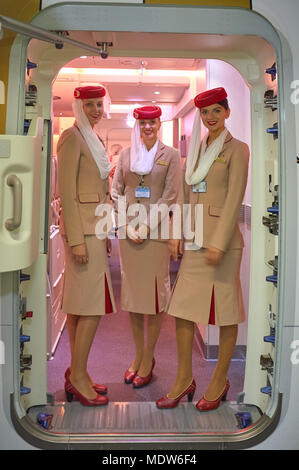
x=87, y=287
x=145, y=283
x=201, y=291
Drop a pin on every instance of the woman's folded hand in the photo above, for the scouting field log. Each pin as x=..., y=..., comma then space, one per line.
x=213, y=256
x=133, y=235
x=80, y=253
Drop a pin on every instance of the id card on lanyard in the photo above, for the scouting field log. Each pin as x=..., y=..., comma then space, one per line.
x=200, y=187
x=142, y=191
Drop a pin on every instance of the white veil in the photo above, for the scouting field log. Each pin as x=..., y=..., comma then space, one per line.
x=95, y=145
x=141, y=159
x=207, y=155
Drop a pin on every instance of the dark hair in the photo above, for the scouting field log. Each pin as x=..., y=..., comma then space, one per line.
x=224, y=103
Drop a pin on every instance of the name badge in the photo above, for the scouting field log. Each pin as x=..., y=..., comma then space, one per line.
x=200, y=187
x=162, y=162
x=142, y=191
x=221, y=160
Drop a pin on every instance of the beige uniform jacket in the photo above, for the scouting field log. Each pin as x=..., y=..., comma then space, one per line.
x=226, y=184
x=81, y=187
x=164, y=181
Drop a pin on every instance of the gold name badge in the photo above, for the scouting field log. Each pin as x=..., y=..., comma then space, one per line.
x=221, y=160
x=162, y=162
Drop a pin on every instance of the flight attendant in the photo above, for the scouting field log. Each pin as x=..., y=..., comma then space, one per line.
x=207, y=288
x=83, y=176
x=148, y=173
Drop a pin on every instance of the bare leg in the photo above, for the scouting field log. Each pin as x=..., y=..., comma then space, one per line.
x=184, y=338
x=137, y=325
x=153, y=331
x=227, y=341
x=85, y=332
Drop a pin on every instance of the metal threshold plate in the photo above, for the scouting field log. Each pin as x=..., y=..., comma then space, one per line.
x=142, y=418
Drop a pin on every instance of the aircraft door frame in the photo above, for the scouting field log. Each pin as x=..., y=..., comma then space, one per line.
x=160, y=19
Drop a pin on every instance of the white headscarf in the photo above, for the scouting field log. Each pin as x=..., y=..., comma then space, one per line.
x=142, y=160
x=207, y=155
x=93, y=141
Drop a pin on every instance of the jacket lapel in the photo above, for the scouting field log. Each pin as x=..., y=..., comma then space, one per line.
x=83, y=142
x=85, y=148
x=160, y=151
x=227, y=140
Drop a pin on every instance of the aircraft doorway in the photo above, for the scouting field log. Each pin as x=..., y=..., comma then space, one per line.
x=254, y=86
x=115, y=130
x=143, y=79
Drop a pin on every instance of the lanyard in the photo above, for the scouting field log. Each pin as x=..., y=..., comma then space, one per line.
x=141, y=180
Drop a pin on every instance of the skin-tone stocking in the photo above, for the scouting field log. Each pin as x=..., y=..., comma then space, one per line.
x=184, y=338
x=185, y=335
x=85, y=332
x=137, y=325
x=227, y=341
x=145, y=354
x=71, y=322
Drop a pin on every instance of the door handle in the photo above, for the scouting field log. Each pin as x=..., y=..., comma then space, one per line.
x=16, y=184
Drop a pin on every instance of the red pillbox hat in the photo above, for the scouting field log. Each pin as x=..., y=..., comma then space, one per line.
x=147, y=112
x=209, y=97
x=84, y=92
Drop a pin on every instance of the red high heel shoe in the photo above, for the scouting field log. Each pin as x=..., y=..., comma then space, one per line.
x=97, y=387
x=139, y=381
x=206, y=405
x=166, y=402
x=71, y=391
x=129, y=376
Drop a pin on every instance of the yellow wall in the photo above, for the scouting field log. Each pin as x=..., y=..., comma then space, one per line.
x=22, y=10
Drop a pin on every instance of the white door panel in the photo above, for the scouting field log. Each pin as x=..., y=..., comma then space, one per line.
x=20, y=176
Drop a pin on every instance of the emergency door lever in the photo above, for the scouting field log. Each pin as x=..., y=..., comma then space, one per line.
x=16, y=184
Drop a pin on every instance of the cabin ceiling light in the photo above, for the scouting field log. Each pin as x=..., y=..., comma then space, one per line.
x=96, y=71
x=149, y=73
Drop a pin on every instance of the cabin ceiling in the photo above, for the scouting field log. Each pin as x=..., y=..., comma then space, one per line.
x=135, y=87
x=141, y=52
